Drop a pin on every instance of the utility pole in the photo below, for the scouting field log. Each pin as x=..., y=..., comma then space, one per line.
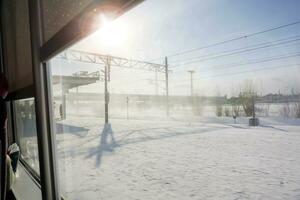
x=77, y=106
x=167, y=85
x=156, y=81
x=253, y=121
x=106, y=94
x=253, y=106
x=127, y=106
x=192, y=87
x=63, y=110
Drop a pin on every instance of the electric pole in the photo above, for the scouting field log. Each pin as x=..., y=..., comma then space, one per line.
x=156, y=81
x=192, y=87
x=167, y=85
x=127, y=106
x=253, y=105
x=106, y=94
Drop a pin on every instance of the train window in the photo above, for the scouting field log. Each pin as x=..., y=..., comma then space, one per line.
x=181, y=100
x=25, y=128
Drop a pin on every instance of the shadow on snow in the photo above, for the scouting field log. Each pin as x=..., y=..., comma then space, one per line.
x=107, y=145
x=75, y=130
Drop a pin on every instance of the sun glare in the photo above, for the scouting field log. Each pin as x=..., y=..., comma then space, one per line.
x=111, y=33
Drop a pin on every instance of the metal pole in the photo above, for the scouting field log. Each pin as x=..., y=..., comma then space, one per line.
x=106, y=94
x=253, y=106
x=64, y=104
x=127, y=106
x=192, y=87
x=167, y=85
x=156, y=81
x=77, y=106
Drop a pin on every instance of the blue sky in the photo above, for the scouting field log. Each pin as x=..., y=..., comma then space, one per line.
x=156, y=28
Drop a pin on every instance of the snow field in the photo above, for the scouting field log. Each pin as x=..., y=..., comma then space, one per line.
x=199, y=158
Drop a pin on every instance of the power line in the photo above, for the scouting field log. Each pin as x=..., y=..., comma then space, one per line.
x=231, y=40
x=254, y=61
x=257, y=61
x=239, y=50
x=248, y=71
x=243, y=72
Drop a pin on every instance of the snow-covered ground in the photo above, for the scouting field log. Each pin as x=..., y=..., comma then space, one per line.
x=179, y=158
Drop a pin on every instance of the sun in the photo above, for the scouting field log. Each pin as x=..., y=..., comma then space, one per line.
x=111, y=33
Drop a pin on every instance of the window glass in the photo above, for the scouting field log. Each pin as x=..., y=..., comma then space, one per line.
x=25, y=127
x=182, y=100
x=57, y=13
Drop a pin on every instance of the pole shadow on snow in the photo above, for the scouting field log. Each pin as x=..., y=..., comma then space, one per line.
x=272, y=127
x=263, y=126
x=108, y=142
x=104, y=145
x=165, y=134
x=108, y=146
x=75, y=130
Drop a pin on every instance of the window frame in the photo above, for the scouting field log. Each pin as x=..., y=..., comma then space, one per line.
x=15, y=134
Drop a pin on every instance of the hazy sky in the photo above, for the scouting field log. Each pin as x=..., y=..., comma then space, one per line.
x=155, y=29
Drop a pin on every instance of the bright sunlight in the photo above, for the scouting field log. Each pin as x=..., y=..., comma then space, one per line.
x=111, y=33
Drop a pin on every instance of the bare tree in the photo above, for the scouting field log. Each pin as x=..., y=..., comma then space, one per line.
x=219, y=110
x=267, y=109
x=235, y=106
x=226, y=111
x=236, y=110
x=197, y=105
x=219, y=104
x=285, y=110
x=247, y=96
x=296, y=109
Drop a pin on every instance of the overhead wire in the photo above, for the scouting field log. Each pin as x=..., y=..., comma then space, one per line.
x=240, y=72
x=230, y=40
x=256, y=61
x=234, y=51
x=254, y=70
